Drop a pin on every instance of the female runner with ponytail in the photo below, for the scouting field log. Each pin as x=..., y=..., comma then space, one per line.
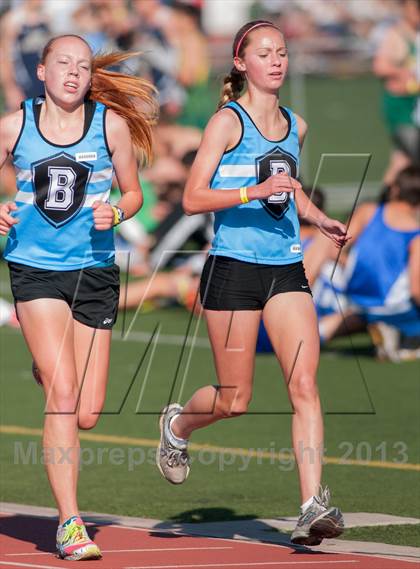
x=245, y=171
x=65, y=147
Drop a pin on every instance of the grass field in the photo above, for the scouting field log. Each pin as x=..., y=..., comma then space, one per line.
x=371, y=419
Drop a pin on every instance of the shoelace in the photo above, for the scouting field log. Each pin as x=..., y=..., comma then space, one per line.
x=74, y=532
x=321, y=502
x=177, y=457
x=324, y=496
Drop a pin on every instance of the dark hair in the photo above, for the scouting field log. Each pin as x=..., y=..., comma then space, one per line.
x=403, y=2
x=384, y=195
x=407, y=183
x=234, y=81
x=133, y=98
x=188, y=158
x=317, y=197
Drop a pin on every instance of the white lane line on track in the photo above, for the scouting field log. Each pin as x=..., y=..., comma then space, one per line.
x=246, y=564
x=16, y=564
x=144, y=549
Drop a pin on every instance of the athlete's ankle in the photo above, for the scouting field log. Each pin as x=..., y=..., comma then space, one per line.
x=66, y=518
x=176, y=428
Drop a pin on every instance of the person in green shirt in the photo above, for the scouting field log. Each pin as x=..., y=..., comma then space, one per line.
x=396, y=64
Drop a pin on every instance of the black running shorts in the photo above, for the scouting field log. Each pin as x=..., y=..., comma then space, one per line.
x=230, y=284
x=92, y=293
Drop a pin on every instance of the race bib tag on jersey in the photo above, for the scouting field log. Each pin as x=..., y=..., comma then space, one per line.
x=85, y=156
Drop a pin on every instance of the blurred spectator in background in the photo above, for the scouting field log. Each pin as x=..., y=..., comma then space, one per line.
x=194, y=64
x=382, y=272
x=324, y=275
x=61, y=14
x=383, y=268
x=101, y=23
x=156, y=239
x=175, y=49
x=154, y=37
x=397, y=63
x=24, y=31
x=179, y=285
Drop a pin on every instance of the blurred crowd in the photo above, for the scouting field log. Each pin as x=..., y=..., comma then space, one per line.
x=178, y=44
x=303, y=19
x=169, y=37
x=179, y=40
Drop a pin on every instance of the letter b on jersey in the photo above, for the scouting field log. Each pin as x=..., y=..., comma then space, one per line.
x=60, y=186
x=274, y=162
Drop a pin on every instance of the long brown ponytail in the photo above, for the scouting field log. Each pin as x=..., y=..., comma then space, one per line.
x=133, y=98
x=234, y=82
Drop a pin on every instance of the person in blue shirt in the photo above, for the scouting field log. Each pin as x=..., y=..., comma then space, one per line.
x=65, y=147
x=326, y=292
x=382, y=272
x=245, y=171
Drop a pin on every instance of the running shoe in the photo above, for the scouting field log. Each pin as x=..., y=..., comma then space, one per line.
x=386, y=340
x=171, y=456
x=318, y=521
x=406, y=355
x=73, y=542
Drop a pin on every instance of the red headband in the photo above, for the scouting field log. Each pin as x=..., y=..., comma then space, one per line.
x=267, y=24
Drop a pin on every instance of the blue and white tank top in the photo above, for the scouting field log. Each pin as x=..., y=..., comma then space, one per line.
x=377, y=268
x=57, y=185
x=261, y=231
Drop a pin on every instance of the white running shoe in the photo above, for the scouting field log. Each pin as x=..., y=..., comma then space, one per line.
x=318, y=521
x=171, y=456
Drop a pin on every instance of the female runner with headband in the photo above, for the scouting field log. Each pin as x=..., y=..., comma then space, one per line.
x=245, y=171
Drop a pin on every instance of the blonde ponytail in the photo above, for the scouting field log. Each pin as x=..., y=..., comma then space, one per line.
x=233, y=84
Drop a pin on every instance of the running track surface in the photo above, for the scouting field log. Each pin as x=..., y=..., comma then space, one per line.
x=28, y=542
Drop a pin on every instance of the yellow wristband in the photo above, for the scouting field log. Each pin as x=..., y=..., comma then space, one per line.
x=116, y=216
x=243, y=194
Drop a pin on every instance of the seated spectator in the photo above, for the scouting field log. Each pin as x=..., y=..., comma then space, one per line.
x=382, y=272
x=324, y=276
x=396, y=63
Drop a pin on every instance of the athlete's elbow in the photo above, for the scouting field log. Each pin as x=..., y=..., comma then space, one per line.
x=189, y=206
